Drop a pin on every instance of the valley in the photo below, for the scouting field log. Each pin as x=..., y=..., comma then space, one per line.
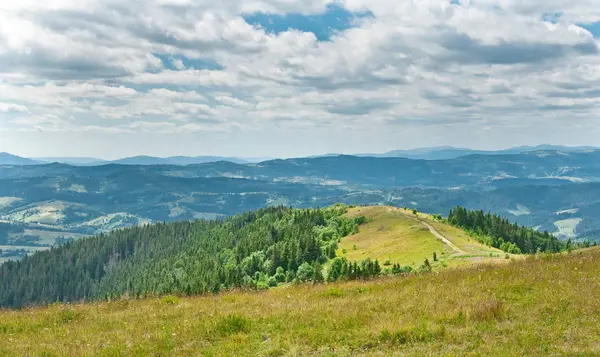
x=536, y=188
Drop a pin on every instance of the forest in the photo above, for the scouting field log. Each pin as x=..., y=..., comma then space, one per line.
x=253, y=250
x=499, y=232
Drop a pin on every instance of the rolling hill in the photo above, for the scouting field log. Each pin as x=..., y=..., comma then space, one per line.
x=528, y=307
x=549, y=190
x=259, y=249
x=9, y=159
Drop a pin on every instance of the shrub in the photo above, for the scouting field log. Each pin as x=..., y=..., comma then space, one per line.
x=233, y=324
x=169, y=300
x=305, y=272
x=425, y=267
x=66, y=316
x=334, y=292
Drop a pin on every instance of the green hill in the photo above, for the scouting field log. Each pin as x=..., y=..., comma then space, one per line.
x=261, y=249
x=347, y=281
x=398, y=236
x=530, y=307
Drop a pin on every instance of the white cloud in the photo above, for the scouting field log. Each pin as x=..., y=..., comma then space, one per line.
x=11, y=107
x=112, y=66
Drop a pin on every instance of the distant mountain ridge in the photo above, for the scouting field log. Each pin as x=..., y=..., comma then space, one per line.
x=425, y=153
x=450, y=152
x=144, y=160
x=9, y=159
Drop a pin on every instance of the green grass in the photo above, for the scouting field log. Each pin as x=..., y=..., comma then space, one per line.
x=397, y=235
x=540, y=306
x=391, y=235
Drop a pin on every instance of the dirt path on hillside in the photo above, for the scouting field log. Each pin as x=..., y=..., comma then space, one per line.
x=437, y=234
x=441, y=237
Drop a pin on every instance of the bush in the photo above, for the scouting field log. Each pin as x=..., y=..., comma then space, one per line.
x=425, y=267
x=334, y=292
x=305, y=272
x=66, y=315
x=169, y=300
x=279, y=275
x=233, y=324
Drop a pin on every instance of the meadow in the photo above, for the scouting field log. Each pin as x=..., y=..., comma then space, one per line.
x=541, y=305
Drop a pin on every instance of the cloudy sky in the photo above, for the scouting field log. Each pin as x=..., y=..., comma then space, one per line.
x=113, y=78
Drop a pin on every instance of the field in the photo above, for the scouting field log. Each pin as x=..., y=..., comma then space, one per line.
x=530, y=307
x=398, y=236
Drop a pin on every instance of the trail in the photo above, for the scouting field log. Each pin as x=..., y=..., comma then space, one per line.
x=437, y=234
x=441, y=237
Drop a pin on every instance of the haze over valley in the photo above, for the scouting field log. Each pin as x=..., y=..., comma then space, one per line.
x=554, y=189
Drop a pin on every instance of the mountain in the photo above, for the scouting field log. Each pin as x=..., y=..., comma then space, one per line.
x=174, y=160
x=549, y=190
x=75, y=161
x=449, y=152
x=9, y=159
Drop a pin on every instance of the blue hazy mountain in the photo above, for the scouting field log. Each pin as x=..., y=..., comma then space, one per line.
x=9, y=159
x=449, y=152
x=175, y=160
x=557, y=191
x=76, y=161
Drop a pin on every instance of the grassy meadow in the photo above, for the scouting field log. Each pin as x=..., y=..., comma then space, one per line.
x=544, y=305
x=398, y=236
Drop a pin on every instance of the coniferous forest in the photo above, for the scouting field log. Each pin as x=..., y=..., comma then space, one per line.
x=499, y=232
x=253, y=250
x=258, y=249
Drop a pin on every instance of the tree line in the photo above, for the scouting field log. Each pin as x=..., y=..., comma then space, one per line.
x=500, y=233
x=252, y=250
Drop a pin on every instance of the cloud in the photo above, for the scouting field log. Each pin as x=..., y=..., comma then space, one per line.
x=199, y=66
x=11, y=107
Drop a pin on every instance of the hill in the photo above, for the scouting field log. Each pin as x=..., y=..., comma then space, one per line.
x=9, y=159
x=449, y=152
x=530, y=307
x=550, y=190
x=259, y=249
x=397, y=235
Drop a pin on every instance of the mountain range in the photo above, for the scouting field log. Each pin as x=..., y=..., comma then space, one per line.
x=427, y=153
x=557, y=191
x=9, y=159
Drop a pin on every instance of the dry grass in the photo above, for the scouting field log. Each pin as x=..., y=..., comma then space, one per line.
x=391, y=235
x=531, y=307
x=396, y=235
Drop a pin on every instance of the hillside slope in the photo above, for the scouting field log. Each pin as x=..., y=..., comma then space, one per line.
x=531, y=307
x=398, y=236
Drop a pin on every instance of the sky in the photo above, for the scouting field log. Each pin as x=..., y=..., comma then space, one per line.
x=113, y=78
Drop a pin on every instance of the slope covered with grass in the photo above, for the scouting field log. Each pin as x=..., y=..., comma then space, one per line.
x=530, y=307
x=400, y=237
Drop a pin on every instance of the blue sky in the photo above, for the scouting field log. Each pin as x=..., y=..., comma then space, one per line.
x=294, y=78
x=333, y=20
x=593, y=27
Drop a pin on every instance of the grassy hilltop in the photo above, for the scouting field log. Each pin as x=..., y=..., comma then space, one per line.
x=399, y=236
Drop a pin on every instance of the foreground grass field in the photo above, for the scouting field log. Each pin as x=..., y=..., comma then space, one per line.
x=537, y=306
